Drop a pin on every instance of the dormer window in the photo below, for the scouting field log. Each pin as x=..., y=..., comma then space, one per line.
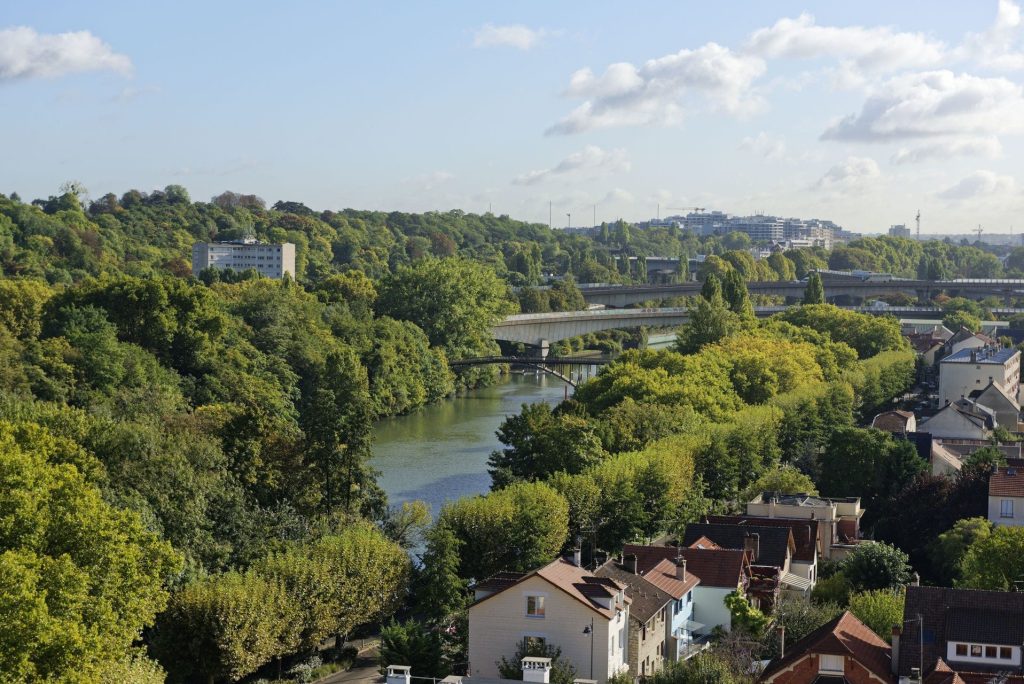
x=830, y=664
x=986, y=653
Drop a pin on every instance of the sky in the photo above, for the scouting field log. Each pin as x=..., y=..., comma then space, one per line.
x=859, y=112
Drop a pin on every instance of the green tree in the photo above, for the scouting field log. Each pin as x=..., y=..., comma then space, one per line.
x=745, y=616
x=949, y=550
x=954, y=320
x=867, y=463
x=879, y=609
x=815, y=291
x=995, y=561
x=876, y=565
x=440, y=592
x=225, y=627
x=800, y=617
x=79, y=579
x=734, y=291
x=414, y=644
x=710, y=319
x=784, y=478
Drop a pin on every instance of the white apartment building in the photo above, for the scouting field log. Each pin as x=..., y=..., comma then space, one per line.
x=272, y=261
x=560, y=604
x=971, y=370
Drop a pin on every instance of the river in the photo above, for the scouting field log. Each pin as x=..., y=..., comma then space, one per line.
x=439, y=453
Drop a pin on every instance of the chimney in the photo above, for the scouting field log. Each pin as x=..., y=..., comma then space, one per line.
x=681, y=569
x=629, y=562
x=752, y=543
x=974, y=355
x=895, y=660
x=399, y=674
x=577, y=554
x=536, y=670
x=915, y=580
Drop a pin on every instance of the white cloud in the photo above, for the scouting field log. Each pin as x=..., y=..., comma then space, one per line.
x=934, y=104
x=979, y=184
x=591, y=160
x=511, y=35
x=946, y=149
x=998, y=47
x=25, y=53
x=765, y=145
x=874, y=49
x=852, y=176
x=430, y=181
x=618, y=196
x=627, y=95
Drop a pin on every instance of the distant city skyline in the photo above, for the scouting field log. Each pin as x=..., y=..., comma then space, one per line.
x=859, y=113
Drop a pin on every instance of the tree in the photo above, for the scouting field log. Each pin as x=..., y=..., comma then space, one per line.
x=949, y=550
x=734, y=291
x=995, y=561
x=745, y=616
x=955, y=320
x=440, y=592
x=815, y=290
x=225, y=626
x=879, y=609
x=79, y=579
x=784, y=479
x=876, y=565
x=414, y=644
x=867, y=463
x=710, y=320
x=406, y=524
x=562, y=671
x=707, y=667
x=800, y=617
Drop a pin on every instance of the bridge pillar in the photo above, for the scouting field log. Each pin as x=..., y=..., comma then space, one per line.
x=544, y=347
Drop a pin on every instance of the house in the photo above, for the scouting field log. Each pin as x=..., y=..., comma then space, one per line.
x=948, y=455
x=928, y=346
x=965, y=339
x=771, y=553
x=842, y=650
x=803, y=567
x=956, y=422
x=968, y=370
x=719, y=572
x=967, y=631
x=655, y=609
x=1004, y=406
x=838, y=518
x=1006, y=496
x=900, y=422
x=561, y=604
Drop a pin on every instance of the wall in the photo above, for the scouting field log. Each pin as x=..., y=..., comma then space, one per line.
x=805, y=671
x=948, y=424
x=498, y=624
x=995, y=508
x=709, y=607
x=957, y=379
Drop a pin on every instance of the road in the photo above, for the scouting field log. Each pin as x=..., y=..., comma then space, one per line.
x=363, y=672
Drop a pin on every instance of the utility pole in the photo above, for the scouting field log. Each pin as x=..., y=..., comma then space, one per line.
x=979, y=232
x=568, y=219
x=595, y=215
x=918, y=220
x=549, y=214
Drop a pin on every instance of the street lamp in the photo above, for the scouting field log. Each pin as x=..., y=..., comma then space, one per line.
x=589, y=629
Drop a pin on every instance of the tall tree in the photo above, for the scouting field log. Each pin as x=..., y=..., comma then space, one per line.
x=814, y=293
x=440, y=592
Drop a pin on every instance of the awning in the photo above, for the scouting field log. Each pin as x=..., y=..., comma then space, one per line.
x=795, y=581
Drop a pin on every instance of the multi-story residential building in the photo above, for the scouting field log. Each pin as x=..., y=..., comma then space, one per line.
x=965, y=635
x=1006, y=497
x=709, y=574
x=899, y=230
x=838, y=518
x=272, y=261
x=969, y=370
x=560, y=604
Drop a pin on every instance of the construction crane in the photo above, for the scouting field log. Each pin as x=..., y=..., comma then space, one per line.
x=978, y=231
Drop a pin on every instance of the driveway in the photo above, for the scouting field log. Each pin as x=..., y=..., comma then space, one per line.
x=363, y=672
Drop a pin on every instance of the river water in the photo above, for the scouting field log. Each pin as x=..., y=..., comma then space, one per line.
x=439, y=453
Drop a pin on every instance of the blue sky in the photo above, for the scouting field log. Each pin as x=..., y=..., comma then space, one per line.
x=859, y=112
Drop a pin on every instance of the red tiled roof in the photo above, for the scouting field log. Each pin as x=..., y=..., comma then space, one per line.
x=1002, y=483
x=704, y=543
x=573, y=580
x=713, y=567
x=943, y=674
x=663, y=576
x=892, y=421
x=847, y=636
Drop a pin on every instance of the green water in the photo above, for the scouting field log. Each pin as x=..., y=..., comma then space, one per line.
x=439, y=453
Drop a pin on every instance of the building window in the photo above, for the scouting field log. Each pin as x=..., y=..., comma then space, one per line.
x=961, y=650
x=1005, y=653
x=990, y=652
x=830, y=663
x=533, y=642
x=535, y=606
x=976, y=651
x=1006, y=508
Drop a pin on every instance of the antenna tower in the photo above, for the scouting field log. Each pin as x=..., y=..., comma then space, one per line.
x=918, y=220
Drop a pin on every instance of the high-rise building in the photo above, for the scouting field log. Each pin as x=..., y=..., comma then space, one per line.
x=899, y=230
x=272, y=261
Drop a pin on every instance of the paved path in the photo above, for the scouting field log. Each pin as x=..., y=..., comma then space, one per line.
x=363, y=672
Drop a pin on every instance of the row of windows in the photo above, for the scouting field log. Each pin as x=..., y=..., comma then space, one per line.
x=983, y=651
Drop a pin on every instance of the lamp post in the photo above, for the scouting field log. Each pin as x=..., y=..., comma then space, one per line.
x=589, y=629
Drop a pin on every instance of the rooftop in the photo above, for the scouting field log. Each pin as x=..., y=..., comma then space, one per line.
x=805, y=532
x=984, y=355
x=845, y=635
x=575, y=581
x=712, y=567
x=647, y=599
x=773, y=543
x=1006, y=481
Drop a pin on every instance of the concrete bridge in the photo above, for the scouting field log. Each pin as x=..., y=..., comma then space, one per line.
x=540, y=330
x=625, y=295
